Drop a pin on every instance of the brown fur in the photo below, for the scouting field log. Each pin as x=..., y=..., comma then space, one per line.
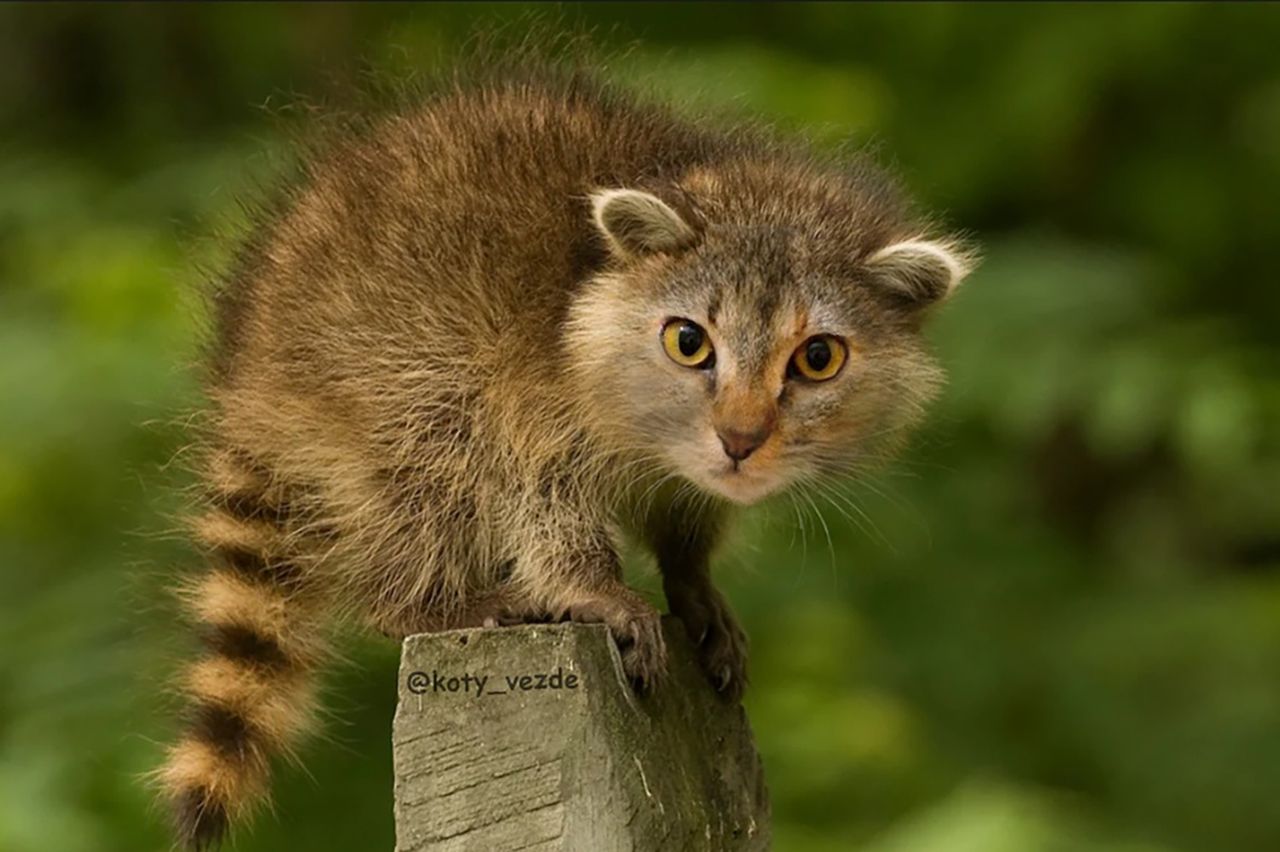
x=438, y=391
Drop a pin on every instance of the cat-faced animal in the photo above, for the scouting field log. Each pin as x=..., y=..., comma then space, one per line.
x=488, y=332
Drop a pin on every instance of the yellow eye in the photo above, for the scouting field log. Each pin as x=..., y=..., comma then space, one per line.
x=819, y=358
x=687, y=344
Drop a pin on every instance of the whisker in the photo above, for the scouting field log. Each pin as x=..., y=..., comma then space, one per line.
x=831, y=548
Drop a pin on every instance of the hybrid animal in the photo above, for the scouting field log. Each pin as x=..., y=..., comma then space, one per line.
x=486, y=333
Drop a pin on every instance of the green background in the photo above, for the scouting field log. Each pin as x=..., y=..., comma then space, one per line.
x=1054, y=625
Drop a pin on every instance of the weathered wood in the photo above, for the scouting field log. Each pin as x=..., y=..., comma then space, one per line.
x=569, y=758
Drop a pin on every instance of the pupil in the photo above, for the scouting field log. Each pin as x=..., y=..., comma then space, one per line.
x=818, y=354
x=689, y=340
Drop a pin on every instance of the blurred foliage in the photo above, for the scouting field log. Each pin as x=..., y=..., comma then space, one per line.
x=1055, y=625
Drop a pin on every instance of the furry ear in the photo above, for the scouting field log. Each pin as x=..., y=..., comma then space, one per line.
x=636, y=223
x=921, y=271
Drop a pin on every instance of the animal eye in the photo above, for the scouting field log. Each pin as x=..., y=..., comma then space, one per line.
x=819, y=358
x=687, y=344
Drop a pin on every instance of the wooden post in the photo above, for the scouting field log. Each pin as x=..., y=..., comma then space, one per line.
x=528, y=738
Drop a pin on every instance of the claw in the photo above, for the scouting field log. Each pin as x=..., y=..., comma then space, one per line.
x=719, y=642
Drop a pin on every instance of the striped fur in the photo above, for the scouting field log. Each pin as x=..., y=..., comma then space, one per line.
x=250, y=693
x=438, y=394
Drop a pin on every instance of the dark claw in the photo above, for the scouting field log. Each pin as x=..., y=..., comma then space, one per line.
x=720, y=643
x=637, y=632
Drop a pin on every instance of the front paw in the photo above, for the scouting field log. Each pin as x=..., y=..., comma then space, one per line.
x=720, y=643
x=636, y=627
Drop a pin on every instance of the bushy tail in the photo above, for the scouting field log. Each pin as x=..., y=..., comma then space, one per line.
x=250, y=693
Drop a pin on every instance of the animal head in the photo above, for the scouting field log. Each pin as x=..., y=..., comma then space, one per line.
x=758, y=325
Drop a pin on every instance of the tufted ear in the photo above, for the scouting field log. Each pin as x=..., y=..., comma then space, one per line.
x=921, y=271
x=636, y=223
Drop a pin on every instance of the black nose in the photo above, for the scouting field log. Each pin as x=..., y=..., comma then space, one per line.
x=738, y=445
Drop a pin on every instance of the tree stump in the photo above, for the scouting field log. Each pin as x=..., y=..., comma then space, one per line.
x=529, y=738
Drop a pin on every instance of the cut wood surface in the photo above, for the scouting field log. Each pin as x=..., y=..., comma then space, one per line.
x=528, y=738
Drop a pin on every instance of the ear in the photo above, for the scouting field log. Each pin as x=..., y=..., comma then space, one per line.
x=921, y=271
x=636, y=223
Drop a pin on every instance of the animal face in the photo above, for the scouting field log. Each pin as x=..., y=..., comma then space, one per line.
x=752, y=348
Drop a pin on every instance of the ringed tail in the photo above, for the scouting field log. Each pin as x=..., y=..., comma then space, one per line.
x=250, y=693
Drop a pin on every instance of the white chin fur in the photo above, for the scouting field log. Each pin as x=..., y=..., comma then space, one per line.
x=743, y=487
x=739, y=488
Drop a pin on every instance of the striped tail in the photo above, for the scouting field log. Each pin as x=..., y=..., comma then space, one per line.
x=250, y=693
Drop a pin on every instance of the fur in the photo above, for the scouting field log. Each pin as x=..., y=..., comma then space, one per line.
x=437, y=391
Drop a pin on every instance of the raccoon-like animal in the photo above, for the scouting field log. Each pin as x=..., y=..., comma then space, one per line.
x=493, y=330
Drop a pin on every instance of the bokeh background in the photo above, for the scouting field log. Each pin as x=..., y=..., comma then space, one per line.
x=1055, y=625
